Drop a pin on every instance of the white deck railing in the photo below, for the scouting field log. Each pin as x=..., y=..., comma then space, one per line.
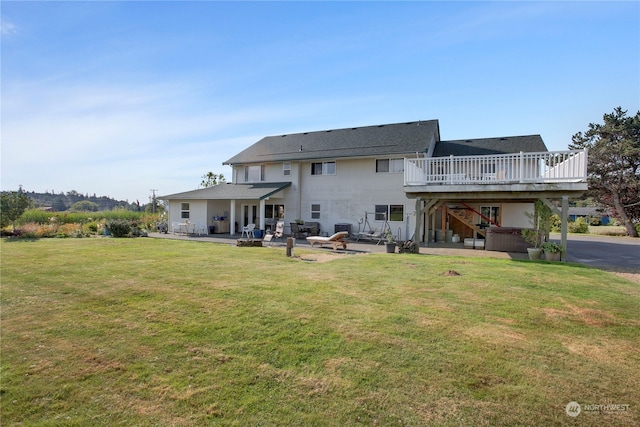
x=542, y=167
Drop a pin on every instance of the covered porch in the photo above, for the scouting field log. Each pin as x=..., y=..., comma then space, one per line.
x=226, y=207
x=427, y=203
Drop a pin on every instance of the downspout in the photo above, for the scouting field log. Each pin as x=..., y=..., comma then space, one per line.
x=419, y=212
x=298, y=195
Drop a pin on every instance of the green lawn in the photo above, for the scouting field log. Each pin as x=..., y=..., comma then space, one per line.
x=160, y=332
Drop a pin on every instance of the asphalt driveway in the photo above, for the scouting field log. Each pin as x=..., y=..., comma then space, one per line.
x=620, y=254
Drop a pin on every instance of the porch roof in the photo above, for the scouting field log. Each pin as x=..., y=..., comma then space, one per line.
x=230, y=191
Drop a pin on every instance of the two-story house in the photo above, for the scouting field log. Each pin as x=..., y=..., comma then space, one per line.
x=400, y=176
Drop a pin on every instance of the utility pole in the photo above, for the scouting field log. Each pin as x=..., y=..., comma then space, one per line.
x=153, y=200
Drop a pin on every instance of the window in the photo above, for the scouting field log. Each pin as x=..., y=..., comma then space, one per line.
x=396, y=212
x=253, y=173
x=286, y=168
x=184, y=210
x=390, y=165
x=274, y=211
x=391, y=212
x=382, y=212
x=315, y=211
x=323, y=168
x=491, y=212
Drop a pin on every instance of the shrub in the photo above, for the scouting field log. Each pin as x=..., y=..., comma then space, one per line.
x=119, y=227
x=595, y=220
x=91, y=227
x=579, y=226
x=33, y=230
x=70, y=230
x=150, y=221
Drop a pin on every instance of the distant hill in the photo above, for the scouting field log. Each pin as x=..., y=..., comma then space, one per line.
x=62, y=202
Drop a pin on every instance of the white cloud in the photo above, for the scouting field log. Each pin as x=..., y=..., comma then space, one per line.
x=122, y=140
x=7, y=27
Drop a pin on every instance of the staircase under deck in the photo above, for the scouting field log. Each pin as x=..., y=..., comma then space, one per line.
x=430, y=197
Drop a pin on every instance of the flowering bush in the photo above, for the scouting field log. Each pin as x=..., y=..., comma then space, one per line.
x=35, y=231
x=70, y=230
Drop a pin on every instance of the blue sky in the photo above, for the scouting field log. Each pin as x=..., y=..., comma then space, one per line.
x=117, y=98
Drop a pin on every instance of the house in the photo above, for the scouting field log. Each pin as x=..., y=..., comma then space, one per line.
x=590, y=213
x=401, y=176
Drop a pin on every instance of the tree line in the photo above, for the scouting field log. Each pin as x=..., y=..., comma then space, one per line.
x=73, y=200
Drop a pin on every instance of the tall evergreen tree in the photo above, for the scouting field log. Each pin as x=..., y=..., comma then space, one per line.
x=614, y=165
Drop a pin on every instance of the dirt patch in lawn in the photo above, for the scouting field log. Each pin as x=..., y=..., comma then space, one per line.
x=589, y=316
x=324, y=256
x=634, y=277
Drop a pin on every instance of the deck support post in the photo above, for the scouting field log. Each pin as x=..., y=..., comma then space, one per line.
x=563, y=227
x=419, y=219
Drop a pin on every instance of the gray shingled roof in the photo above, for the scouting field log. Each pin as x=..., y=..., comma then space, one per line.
x=227, y=191
x=488, y=146
x=391, y=139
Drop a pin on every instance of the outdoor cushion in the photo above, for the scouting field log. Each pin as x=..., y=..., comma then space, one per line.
x=337, y=239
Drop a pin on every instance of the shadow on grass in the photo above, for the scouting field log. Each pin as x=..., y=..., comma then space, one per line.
x=17, y=239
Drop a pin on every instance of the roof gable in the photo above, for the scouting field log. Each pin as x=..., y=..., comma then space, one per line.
x=390, y=139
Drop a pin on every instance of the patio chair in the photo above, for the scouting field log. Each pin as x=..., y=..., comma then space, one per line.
x=279, y=231
x=277, y=234
x=200, y=229
x=314, y=228
x=295, y=229
x=248, y=229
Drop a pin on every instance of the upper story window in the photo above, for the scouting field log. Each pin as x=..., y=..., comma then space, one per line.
x=390, y=165
x=323, y=168
x=253, y=173
x=286, y=168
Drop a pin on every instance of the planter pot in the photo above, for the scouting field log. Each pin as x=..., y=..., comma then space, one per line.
x=534, y=253
x=391, y=247
x=552, y=256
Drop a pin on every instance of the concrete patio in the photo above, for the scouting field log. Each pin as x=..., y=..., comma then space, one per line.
x=455, y=249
